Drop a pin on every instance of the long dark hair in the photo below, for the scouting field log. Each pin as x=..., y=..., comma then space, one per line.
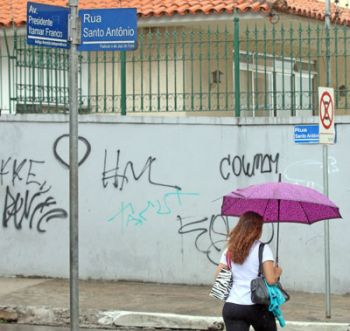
x=242, y=236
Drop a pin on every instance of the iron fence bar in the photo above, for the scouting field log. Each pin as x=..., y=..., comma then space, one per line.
x=209, y=67
x=158, y=68
x=56, y=79
x=113, y=82
x=133, y=81
x=183, y=39
x=256, y=85
x=336, y=66
x=274, y=71
x=88, y=81
x=236, y=47
x=141, y=38
x=104, y=82
x=318, y=79
x=123, y=83
x=283, y=68
x=247, y=60
x=346, y=83
x=41, y=80
x=265, y=68
x=167, y=69
x=292, y=76
x=48, y=69
x=300, y=69
x=218, y=69
x=175, y=69
x=96, y=82
x=226, y=66
x=192, y=69
x=32, y=74
x=309, y=65
x=149, y=42
x=18, y=51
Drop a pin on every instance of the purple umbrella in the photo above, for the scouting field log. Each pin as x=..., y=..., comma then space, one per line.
x=280, y=202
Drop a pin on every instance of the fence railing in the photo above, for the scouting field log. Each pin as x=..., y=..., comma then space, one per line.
x=234, y=69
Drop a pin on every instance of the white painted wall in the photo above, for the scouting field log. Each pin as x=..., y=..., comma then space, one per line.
x=132, y=230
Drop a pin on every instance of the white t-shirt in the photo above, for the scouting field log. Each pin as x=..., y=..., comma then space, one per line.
x=244, y=273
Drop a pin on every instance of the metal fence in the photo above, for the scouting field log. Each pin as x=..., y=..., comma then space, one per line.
x=235, y=69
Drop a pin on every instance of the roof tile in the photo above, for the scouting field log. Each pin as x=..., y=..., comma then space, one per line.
x=313, y=9
x=15, y=10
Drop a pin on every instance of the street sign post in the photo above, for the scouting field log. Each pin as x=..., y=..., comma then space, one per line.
x=326, y=109
x=100, y=30
x=108, y=29
x=47, y=25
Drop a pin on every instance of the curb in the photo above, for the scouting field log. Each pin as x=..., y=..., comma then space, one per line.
x=141, y=320
x=322, y=326
x=92, y=318
x=160, y=320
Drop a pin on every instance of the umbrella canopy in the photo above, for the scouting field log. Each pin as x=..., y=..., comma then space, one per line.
x=280, y=202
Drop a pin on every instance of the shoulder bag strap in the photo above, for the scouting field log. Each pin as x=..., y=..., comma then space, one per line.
x=228, y=260
x=261, y=250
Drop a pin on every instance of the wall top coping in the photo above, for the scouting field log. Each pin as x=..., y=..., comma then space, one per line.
x=184, y=120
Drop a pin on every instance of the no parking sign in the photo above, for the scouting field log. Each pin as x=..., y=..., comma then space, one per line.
x=326, y=109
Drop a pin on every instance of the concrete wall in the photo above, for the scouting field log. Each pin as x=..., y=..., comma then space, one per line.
x=134, y=223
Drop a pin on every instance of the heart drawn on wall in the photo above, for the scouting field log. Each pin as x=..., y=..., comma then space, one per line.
x=59, y=145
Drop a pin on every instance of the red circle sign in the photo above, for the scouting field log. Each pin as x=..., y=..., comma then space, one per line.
x=326, y=110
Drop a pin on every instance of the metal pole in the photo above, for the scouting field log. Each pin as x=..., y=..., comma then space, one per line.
x=73, y=167
x=325, y=170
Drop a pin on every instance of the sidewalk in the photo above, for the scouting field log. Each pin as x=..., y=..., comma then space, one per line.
x=46, y=301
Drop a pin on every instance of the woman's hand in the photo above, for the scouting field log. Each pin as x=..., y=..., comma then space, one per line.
x=272, y=272
x=278, y=271
x=219, y=267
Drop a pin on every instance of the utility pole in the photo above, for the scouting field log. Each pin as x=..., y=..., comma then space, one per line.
x=325, y=167
x=74, y=35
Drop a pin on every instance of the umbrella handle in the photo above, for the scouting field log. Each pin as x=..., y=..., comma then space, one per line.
x=278, y=229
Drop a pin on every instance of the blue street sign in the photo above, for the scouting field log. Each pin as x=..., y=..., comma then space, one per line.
x=306, y=134
x=47, y=25
x=108, y=29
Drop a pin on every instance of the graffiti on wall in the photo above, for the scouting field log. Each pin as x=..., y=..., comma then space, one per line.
x=27, y=200
x=310, y=172
x=209, y=234
x=240, y=165
x=60, y=158
x=167, y=205
x=119, y=174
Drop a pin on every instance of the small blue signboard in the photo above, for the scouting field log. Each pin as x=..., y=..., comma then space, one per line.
x=47, y=25
x=306, y=134
x=108, y=29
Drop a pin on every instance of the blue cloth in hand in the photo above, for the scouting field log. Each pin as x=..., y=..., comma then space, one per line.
x=276, y=300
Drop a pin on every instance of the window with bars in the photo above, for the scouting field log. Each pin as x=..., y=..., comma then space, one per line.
x=269, y=84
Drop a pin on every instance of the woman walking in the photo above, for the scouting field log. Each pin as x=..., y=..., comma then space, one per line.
x=239, y=312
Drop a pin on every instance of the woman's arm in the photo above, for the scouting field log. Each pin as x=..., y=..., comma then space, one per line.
x=219, y=267
x=271, y=271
